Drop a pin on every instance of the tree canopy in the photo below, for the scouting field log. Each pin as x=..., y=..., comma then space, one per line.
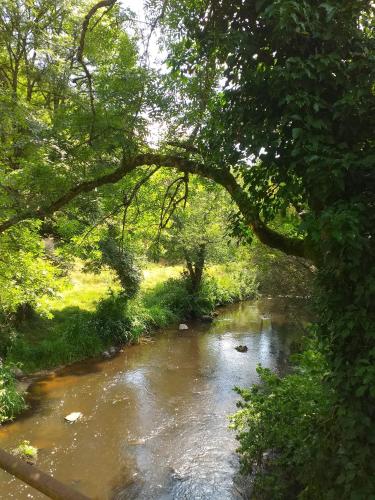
x=273, y=100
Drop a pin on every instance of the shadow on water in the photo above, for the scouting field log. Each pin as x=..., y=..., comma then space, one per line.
x=155, y=417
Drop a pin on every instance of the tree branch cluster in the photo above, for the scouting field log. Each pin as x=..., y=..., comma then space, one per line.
x=222, y=176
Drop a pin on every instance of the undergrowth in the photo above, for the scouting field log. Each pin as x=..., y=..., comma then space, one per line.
x=11, y=401
x=74, y=334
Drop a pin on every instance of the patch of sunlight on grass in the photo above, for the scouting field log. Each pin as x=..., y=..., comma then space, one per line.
x=84, y=289
x=156, y=273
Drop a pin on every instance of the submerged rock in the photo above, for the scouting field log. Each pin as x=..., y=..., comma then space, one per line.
x=241, y=348
x=73, y=417
x=182, y=326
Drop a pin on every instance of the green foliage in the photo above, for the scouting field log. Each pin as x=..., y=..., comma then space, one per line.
x=197, y=234
x=346, y=326
x=111, y=322
x=277, y=427
x=280, y=274
x=169, y=300
x=294, y=119
x=174, y=299
x=26, y=451
x=60, y=126
x=25, y=271
x=234, y=281
x=11, y=401
x=121, y=260
x=75, y=342
x=219, y=287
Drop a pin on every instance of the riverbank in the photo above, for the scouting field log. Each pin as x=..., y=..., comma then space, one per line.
x=90, y=318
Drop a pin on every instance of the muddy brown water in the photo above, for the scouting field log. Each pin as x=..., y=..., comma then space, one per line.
x=155, y=417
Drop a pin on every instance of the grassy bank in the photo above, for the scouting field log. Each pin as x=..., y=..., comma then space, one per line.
x=90, y=315
x=11, y=401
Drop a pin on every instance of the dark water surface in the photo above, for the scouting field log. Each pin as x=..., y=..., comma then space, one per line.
x=155, y=417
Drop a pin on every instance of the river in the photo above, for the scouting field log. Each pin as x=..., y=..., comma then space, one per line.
x=155, y=417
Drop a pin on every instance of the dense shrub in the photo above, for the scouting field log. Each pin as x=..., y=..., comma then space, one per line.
x=111, y=322
x=236, y=281
x=122, y=261
x=26, y=272
x=277, y=426
x=171, y=295
x=176, y=296
x=218, y=288
x=278, y=273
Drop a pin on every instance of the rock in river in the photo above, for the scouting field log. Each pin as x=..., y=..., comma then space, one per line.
x=182, y=326
x=241, y=348
x=73, y=417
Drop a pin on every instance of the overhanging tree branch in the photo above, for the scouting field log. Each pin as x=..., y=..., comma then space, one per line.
x=222, y=176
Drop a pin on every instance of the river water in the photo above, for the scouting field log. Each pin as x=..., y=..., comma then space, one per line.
x=155, y=417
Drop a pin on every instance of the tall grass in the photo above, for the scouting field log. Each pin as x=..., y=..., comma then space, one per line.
x=11, y=401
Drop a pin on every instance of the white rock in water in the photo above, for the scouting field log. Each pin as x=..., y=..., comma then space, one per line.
x=72, y=417
x=182, y=326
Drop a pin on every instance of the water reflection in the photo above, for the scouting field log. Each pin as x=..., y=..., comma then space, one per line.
x=155, y=417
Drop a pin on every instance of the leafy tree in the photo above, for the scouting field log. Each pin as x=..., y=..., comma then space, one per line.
x=295, y=118
x=62, y=121
x=275, y=102
x=25, y=272
x=198, y=233
x=56, y=59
